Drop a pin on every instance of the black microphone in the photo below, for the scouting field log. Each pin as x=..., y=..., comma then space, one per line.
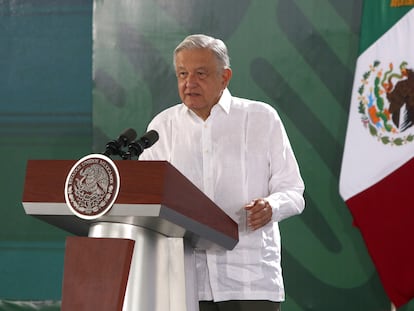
x=114, y=146
x=136, y=147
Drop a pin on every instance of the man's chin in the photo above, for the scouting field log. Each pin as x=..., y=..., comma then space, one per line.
x=193, y=104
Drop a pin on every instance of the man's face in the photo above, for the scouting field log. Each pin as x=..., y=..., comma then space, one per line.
x=200, y=81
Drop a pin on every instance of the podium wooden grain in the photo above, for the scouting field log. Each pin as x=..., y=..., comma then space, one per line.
x=95, y=273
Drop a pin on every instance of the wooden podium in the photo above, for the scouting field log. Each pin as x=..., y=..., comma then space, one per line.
x=139, y=255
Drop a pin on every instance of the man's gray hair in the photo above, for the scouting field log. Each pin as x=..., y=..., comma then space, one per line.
x=199, y=41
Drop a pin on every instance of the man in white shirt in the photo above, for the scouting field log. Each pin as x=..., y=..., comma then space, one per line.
x=237, y=152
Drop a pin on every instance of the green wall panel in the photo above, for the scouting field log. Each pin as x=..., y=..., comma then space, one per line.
x=45, y=113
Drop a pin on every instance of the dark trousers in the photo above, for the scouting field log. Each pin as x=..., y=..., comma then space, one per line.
x=240, y=305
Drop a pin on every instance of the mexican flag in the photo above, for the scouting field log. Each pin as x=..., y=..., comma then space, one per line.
x=377, y=174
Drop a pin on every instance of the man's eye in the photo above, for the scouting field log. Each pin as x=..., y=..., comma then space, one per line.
x=182, y=74
x=202, y=74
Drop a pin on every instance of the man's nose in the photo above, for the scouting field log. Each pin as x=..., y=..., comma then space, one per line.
x=191, y=80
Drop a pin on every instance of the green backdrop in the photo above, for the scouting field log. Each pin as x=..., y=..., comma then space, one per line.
x=45, y=113
x=66, y=91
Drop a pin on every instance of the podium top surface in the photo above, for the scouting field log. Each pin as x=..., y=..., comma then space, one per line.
x=152, y=194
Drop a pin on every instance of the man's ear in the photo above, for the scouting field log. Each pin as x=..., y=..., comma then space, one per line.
x=227, y=74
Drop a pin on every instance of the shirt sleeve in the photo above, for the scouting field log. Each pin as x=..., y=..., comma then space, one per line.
x=286, y=186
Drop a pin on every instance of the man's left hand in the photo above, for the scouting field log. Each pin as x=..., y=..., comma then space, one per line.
x=259, y=213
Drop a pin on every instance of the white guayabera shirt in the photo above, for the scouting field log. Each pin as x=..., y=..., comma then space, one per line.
x=240, y=153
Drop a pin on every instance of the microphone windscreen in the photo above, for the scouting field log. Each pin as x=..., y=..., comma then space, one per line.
x=127, y=136
x=150, y=138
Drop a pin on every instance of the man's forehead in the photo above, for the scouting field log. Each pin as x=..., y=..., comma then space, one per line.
x=193, y=67
x=195, y=55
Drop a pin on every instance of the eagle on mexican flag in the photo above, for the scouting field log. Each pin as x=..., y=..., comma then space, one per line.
x=377, y=174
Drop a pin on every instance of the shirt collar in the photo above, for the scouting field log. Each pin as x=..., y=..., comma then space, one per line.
x=225, y=100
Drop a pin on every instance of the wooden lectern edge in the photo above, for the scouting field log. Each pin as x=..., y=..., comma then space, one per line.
x=203, y=236
x=175, y=224
x=56, y=171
